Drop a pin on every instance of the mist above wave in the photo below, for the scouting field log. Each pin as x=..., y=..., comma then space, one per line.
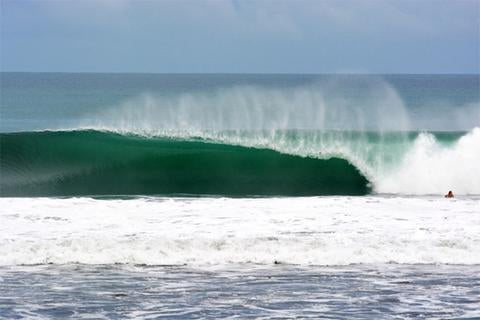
x=359, y=104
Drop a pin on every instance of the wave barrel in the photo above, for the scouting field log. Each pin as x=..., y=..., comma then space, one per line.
x=73, y=163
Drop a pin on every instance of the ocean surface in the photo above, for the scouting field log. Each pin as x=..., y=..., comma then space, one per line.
x=239, y=196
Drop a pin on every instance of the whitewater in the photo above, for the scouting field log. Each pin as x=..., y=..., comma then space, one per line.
x=223, y=231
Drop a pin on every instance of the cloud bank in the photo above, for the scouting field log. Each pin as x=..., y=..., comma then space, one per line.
x=303, y=36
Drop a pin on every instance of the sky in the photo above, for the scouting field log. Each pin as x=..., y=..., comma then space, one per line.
x=241, y=36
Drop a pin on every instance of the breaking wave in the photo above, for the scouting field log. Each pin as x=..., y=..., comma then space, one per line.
x=239, y=163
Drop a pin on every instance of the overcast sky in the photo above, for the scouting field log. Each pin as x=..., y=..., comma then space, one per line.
x=241, y=36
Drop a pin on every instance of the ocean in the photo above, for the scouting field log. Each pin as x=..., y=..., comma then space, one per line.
x=239, y=196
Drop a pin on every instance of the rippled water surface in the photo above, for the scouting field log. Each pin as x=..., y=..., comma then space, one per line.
x=248, y=291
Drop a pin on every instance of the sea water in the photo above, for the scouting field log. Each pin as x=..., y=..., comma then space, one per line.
x=335, y=257
x=250, y=196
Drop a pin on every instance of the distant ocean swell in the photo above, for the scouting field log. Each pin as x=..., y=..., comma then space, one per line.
x=236, y=163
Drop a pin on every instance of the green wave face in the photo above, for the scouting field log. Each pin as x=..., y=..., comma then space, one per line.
x=70, y=163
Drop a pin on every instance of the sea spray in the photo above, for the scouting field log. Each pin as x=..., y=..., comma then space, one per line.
x=371, y=104
x=431, y=167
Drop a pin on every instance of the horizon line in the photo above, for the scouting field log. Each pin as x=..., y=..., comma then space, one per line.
x=242, y=73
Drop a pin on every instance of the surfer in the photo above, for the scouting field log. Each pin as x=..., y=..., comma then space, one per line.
x=449, y=194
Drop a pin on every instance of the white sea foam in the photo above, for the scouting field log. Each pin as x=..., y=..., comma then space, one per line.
x=219, y=231
x=429, y=167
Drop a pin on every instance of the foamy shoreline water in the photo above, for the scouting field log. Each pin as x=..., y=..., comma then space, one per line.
x=223, y=231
